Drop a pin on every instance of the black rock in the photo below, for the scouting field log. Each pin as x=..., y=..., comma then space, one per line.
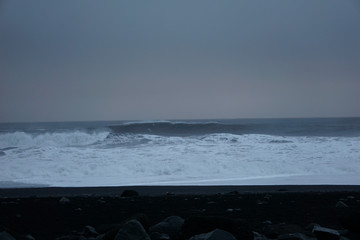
x=323, y=233
x=111, y=233
x=99, y=237
x=159, y=236
x=132, y=230
x=90, y=231
x=129, y=193
x=351, y=197
x=170, y=226
x=64, y=200
x=295, y=236
x=311, y=226
x=217, y=234
x=71, y=237
x=341, y=204
x=258, y=236
x=6, y=236
x=29, y=237
x=233, y=193
x=275, y=230
x=198, y=225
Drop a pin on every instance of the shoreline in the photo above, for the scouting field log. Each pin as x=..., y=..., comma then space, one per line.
x=166, y=190
x=272, y=211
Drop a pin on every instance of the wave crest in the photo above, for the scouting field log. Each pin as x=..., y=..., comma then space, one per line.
x=176, y=128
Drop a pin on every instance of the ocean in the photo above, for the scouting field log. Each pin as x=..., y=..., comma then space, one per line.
x=201, y=152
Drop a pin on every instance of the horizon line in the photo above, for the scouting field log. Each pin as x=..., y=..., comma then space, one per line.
x=179, y=119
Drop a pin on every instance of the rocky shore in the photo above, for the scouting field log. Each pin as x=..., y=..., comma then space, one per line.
x=280, y=214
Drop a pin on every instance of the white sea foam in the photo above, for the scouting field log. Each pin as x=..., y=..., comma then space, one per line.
x=100, y=159
x=71, y=138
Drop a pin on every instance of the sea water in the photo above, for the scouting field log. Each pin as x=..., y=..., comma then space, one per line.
x=202, y=152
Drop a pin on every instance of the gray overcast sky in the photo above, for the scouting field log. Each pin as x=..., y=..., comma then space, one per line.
x=120, y=60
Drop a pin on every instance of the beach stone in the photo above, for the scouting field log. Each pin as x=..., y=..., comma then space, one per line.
x=90, y=231
x=111, y=232
x=258, y=236
x=323, y=233
x=6, y=236
x=64, y=200
x=275, y=230
x=197, y=225
x=129, y=193
x=159, y=236
x=217, y=234
x=71, y=237
x=100, y=237
x=311, y=226
x=341, y=204
x=132, y=230
x=29, y=237
x=267, y=196
x=171, y=226
x=295, y=236
x=232, y=193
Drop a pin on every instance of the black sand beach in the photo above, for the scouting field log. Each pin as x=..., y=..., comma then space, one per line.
x=275, y=212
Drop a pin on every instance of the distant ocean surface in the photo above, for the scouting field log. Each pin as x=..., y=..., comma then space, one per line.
x=203, y=152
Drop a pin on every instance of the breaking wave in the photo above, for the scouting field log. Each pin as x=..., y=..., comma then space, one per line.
x=292, y=127
x=73, y=138
x=171, y=152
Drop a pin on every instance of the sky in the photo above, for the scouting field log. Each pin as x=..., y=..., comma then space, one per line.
x=141, y=60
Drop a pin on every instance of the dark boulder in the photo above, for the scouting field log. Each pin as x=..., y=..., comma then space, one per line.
x=129, y=193
x=341, y=204
x=258, y=236
x=64, y=200
x=170, y=226
x=71, y=237
x=159, y=236
x=111, y=233
x=295, y=236
x=89, y=231
x=6, y=236
x=132, y=230
x=323, y=233
x=275, y=230
x=198, y=225
x=217, y=234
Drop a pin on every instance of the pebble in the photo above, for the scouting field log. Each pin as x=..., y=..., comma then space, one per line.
x=64, y=200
